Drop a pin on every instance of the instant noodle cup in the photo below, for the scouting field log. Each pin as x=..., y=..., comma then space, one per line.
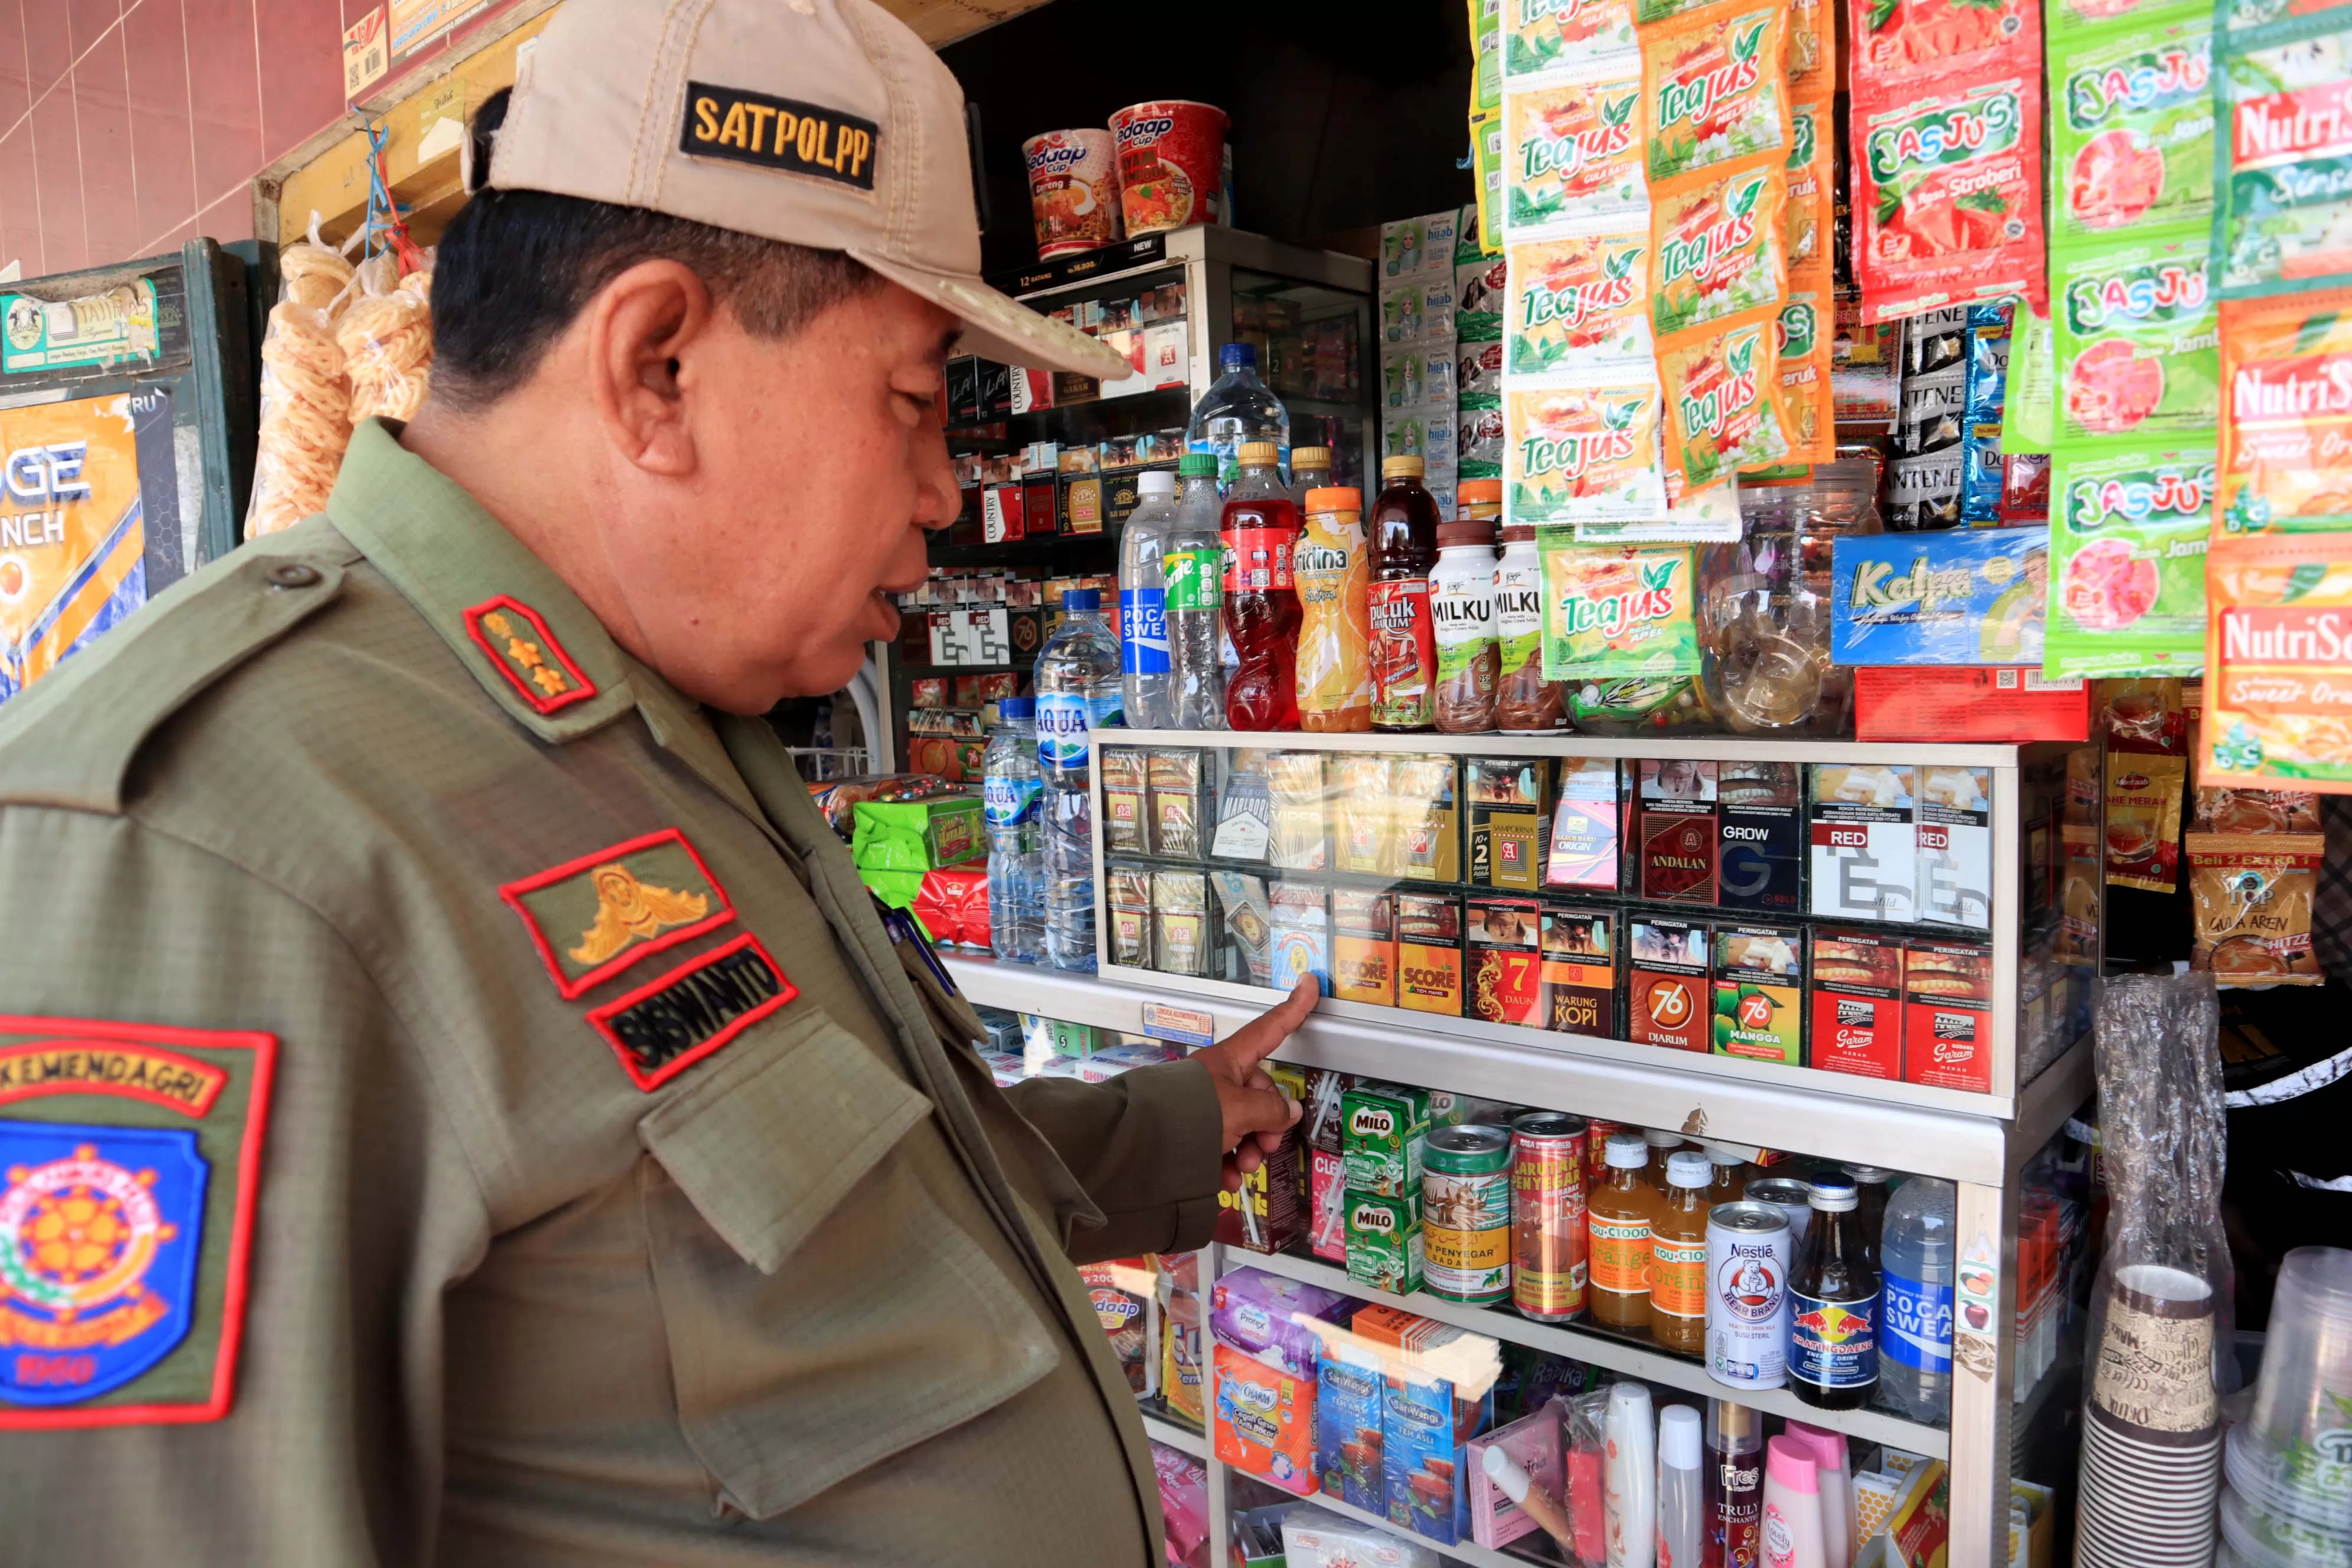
x=1578, y=301
x=1540, y=35
x=1937, y=45
x=1722, y=414
x=1572, y=152
x=1073, y=190
x=1171, y=157
x=2137, y=339
x=1714, y=88
x=2286, y=425
x=1807, y=215
x=1586, y=451
x=1948, y=196
x=2285, y=220
x=2132, y=129
x=2127, y=535
x=1807, y=411
x=2278, y=663
x=1715, y=244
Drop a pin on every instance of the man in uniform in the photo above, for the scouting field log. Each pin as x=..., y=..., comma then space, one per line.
x=458, y=1103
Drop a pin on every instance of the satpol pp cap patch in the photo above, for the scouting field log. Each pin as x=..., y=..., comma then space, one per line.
x=824, y=124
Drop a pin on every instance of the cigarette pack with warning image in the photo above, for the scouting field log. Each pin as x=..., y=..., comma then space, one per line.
x=1863, y=830
x=1666, y=996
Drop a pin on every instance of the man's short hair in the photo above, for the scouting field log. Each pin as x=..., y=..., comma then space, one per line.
x=515, y=268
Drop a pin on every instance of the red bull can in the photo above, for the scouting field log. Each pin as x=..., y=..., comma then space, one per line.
x=1749, y=1255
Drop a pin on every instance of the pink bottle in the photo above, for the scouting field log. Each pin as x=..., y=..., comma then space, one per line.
x=1793, y=1506
x=1836, y=1487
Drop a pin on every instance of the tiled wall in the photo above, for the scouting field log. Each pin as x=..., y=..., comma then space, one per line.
x=129, y=126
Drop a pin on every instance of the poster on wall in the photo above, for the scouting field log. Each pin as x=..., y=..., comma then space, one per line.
x=75, y=480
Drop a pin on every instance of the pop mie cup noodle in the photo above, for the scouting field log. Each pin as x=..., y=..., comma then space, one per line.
x=1073, y=190
x=1172, y=164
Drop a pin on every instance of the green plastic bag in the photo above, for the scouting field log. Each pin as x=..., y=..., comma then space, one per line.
x=2131, y=112
x=2138, y=339
x=2127, y=530
x=916, y=835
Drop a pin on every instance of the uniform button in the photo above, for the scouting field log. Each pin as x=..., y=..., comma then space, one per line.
x=293, y=575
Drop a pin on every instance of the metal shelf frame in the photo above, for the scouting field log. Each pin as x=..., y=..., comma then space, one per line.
x=1980, y=1142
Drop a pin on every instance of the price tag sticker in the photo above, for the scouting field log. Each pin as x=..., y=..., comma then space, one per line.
x=1182, y=1026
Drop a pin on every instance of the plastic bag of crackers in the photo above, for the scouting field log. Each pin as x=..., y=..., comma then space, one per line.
x=386, y=338
x=305, y=398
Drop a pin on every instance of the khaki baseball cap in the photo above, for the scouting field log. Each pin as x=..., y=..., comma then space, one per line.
x=825, y=123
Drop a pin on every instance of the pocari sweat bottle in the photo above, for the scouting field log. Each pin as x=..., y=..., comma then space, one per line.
x=1238, y=407
x=1147, y=681
x=1078, y=695
x=1915, y=1304
x=1010, y=792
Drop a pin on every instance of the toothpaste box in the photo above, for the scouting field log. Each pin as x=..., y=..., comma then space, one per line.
x=1265, y=1422
x=1349, y=1439
x=1864, y=833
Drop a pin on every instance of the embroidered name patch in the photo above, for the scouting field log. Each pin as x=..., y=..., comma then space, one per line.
x=666, y=1026
x=522, y=649
x=593, y=917
x=129, y=1165
x=779, y=134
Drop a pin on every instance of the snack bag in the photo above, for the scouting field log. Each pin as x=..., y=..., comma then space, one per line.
x=1712, y=87
x=2136, y=339
x=2132, y=127
x=1807, y=419
x=1616, y=611
x=1539, y=35
x=306, y=420
x=386, y=338
x=2286, y=431
x=2127, y=531
x=1810, y=209
x=1486, y=153
x=2276, y=662
x=2252, y=895
x=1572, y=152
x=2145, y=794
x=1577, y=301
x=1948, y=194
x=1902, y=48
x=2285, y=208
x=1586, y=450
x=1812, y=47
x=1715, y=240
x=1722, y=414
x=2069, y=19
x=1486, y=48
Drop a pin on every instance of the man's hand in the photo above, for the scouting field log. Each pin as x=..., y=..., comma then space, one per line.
x=1256, y=1113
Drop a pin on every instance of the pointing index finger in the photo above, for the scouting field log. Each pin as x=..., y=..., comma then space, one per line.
x=1253, y=1044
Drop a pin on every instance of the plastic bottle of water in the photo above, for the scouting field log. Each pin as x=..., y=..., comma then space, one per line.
x=1238, y=407
x=1193, y=558
x=1915, y=1304
x=1010, y=797
x=1146, y=685
x=1078, y=695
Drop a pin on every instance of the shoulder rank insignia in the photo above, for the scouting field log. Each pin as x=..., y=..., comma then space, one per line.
x=667, y=1025
x=523, y=650
x=130, y=1160
x=593, y=917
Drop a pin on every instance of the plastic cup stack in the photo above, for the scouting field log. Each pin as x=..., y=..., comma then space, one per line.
x=2151, y=1428
x=2288, y=1503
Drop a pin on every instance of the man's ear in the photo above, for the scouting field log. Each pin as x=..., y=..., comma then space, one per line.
x=638, y=326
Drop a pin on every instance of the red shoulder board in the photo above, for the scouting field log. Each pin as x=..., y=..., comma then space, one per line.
x=521, y=647
x=130, y=1169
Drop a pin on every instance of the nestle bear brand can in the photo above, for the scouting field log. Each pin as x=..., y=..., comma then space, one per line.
x=1748, y=1256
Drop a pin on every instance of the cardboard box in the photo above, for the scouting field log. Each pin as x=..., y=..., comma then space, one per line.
x=1384, y=1242
x=2008, y=704
x=1327, y=1206
x=1947, y=1015
x=1943, y=597
x=1425, y=816
x=1350, y=1443
x=1384, y=1127
x=1855, y=990
x=1583, y=852
x=1667, y=1002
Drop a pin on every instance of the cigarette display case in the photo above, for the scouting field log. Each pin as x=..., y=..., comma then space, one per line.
x=1872, y=954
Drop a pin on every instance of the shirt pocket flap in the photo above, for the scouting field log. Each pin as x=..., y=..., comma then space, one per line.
x=766, y=1151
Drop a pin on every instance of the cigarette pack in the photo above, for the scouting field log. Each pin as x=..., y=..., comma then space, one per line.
x=1947, y=1016
x=1248, y=927
x=1504, y=968
x=1584, y=827
x=1124, y=786
x=1426, y=817
x=1507, y=825
x=1865, y=839
x=1429, y=953
x=1580, y=970
x=1758, y=991
x=1856, y=992
x=1666, y=1001
x=1175, y=778
x=1300, y=928
x=1363, y=946
x=1759, y=808
x=1363, y=836
x=1677, y=831
x=1955, y=847
x=1296, y=782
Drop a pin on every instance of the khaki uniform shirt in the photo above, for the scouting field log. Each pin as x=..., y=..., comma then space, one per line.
x=458, y=1104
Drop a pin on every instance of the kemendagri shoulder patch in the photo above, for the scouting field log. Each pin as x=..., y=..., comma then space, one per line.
x=519, y=646
x=130, y=1167
x=595, y=916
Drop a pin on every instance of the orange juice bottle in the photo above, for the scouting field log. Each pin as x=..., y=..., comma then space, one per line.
x=1621, y=1216
x=1678, y=1256
x=1334, y=580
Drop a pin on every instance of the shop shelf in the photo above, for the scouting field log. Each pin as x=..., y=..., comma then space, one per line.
x=1468, y=1551
x=1163, y=1428
x=1605, y=1350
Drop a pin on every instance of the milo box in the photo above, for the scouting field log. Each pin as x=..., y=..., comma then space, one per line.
x=1383, y=1127
x=1384, y=1241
